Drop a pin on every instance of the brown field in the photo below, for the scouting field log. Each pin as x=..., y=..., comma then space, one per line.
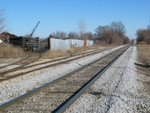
x=68, y=52
x=144, y=54
x=9, y=51
x=144, y=57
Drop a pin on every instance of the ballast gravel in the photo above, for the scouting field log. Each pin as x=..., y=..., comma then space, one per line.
x=15, y=87
x=121, y=90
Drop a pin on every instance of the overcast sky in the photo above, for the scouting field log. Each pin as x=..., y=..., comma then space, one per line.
x=64, y=15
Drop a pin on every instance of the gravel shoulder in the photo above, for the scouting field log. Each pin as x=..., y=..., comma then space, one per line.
x=22, y=84
x=121, y=89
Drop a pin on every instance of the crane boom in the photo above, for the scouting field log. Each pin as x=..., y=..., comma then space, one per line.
x=34, y=29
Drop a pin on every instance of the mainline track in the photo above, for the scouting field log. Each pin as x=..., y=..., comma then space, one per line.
x=34, y=67
x=57, y=95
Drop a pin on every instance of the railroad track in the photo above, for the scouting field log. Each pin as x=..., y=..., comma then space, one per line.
x=12, y=63
x=6, y=75
x=59, y=94
x=27, y=63
x=19, y=64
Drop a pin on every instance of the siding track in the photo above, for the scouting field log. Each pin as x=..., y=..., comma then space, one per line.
x=25, y=69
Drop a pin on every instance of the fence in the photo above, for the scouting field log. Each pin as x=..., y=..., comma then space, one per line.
x=68, y=43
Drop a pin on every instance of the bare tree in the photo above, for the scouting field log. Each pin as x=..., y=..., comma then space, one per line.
x=126, y=40
x=2, y=26
x=59, y=34
x=73, y=35
x=89, y=35
x=62, y=35
x=114, y=33
x=143, y=35
x=100, y=31
x=118, y=27
x=82, y=26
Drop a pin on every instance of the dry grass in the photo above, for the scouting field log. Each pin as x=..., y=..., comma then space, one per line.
x=144, y=57
x=9, y=51
x=68, y=52
x=144, y=54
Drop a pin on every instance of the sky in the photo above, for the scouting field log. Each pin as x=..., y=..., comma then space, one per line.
x=21, y=16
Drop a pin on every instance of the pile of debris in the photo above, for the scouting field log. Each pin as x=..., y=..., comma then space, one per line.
x=4, y=37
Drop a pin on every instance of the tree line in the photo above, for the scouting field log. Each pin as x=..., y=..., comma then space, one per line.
x=113, y=33
x=143, y=35
x=72, y=35
x=109, y=34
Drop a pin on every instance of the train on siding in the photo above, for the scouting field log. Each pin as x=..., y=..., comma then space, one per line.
x=28, y=43
x=35, y=44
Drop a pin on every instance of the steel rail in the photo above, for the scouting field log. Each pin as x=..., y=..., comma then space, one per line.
x=84, y=54
x=17, y=68
x=13, y=63
x=25, y=66
x=19, y=61
x=78, y=93
x=7, y=104
x=50, y=65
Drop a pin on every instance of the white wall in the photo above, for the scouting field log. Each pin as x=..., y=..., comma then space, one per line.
x=66, y=44
x=1, y=41
x=59, y=44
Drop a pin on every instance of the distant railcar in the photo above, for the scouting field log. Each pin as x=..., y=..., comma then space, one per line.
x=31, y=44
